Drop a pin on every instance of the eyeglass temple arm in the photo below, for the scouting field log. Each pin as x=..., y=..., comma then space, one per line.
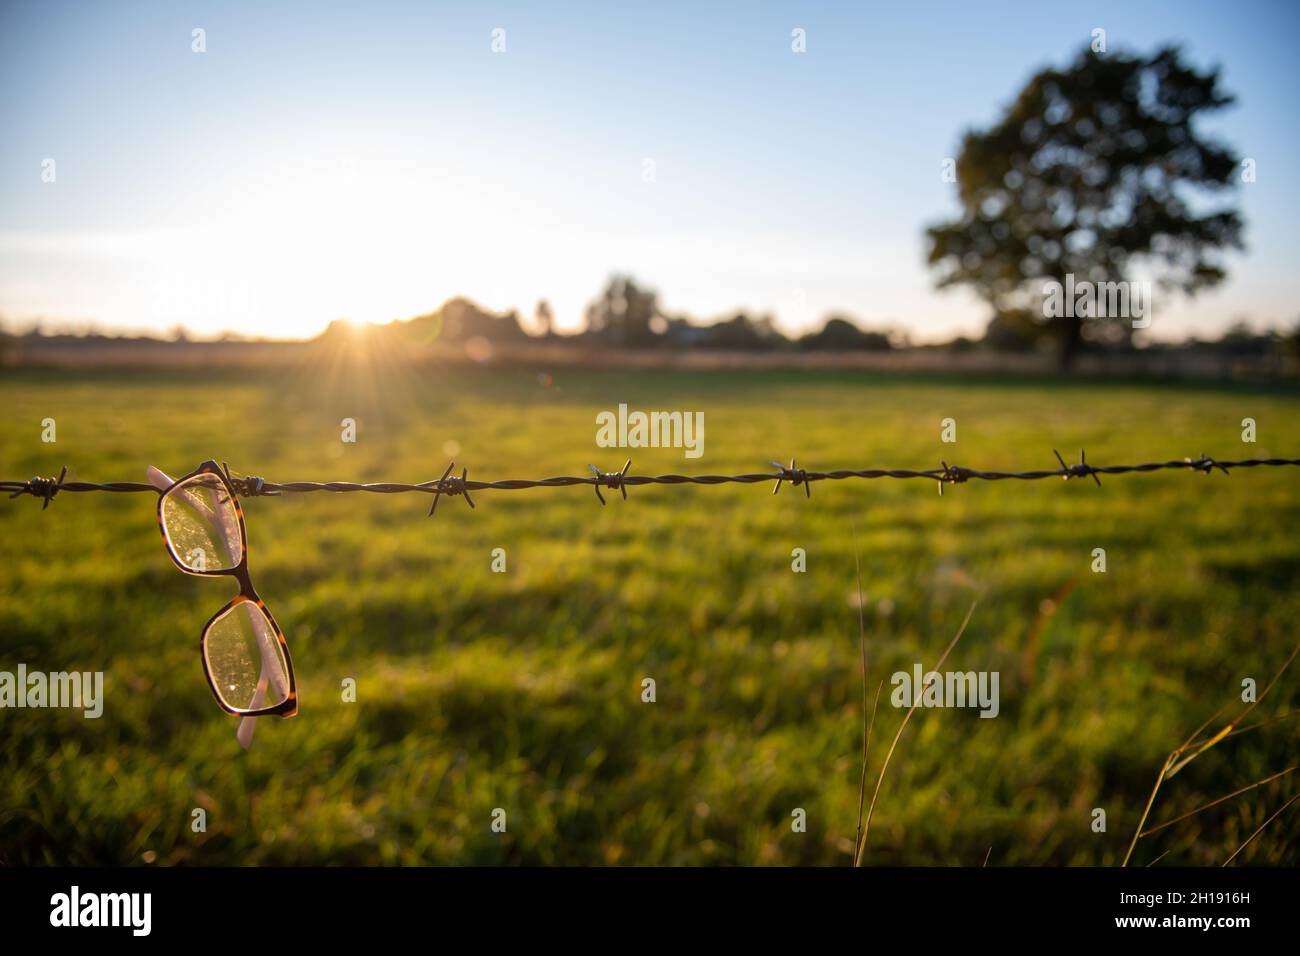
x=271, y=670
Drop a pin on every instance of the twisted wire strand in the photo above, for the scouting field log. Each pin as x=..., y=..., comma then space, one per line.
x=461, y=485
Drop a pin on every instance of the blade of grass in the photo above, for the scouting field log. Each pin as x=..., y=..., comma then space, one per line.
x=1264, y=723
x=862, y=781
x=1280, y=811
x=1147, y=811
x=866, y=723
x=866, y=829
x=1164, y=775
x=1173, y=763
x=1227, y=730
x=1215, y=803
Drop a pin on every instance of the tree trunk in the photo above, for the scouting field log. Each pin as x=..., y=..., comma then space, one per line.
x=1071, y=338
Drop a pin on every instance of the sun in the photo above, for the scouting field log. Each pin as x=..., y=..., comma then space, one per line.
x=280, y=262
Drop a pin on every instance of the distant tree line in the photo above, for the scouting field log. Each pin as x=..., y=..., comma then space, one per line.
x=627, y=315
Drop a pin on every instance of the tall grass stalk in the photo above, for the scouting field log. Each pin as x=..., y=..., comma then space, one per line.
x=916, y=697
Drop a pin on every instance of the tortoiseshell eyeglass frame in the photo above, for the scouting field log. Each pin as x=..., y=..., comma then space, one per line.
x=247, y=595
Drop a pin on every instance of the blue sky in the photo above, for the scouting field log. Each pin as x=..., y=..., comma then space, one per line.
x=368, y=161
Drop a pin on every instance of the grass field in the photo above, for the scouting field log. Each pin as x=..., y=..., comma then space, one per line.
x=522, y=690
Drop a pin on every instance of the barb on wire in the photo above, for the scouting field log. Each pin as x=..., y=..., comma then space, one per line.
x=449, y=484
x=954, y=474
x=1207, y=464
x=250, y=486
x=1079, y=470
x=796, y=476
x=611, y=479
x=462, y=484
x=45, y=488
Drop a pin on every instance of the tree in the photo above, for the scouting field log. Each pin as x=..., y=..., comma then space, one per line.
x=456, y=320
x=1291, y=342
x=1093, y=170
x=741, y=333
x=840, y=334
x=624, y=314
x=545, y=318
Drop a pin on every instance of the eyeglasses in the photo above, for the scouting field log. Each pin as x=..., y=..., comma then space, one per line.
x=245, y=656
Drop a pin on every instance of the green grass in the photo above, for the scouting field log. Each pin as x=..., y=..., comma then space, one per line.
x=522, y=690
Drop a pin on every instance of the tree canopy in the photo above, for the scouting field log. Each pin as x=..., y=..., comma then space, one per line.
x=1093, y=170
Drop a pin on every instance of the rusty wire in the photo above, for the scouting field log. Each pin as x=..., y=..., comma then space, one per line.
x=453, y=485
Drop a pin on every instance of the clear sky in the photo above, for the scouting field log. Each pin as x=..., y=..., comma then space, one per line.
x=368, y=160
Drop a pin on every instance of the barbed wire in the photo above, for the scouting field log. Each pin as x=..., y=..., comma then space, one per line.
x=461, y=485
